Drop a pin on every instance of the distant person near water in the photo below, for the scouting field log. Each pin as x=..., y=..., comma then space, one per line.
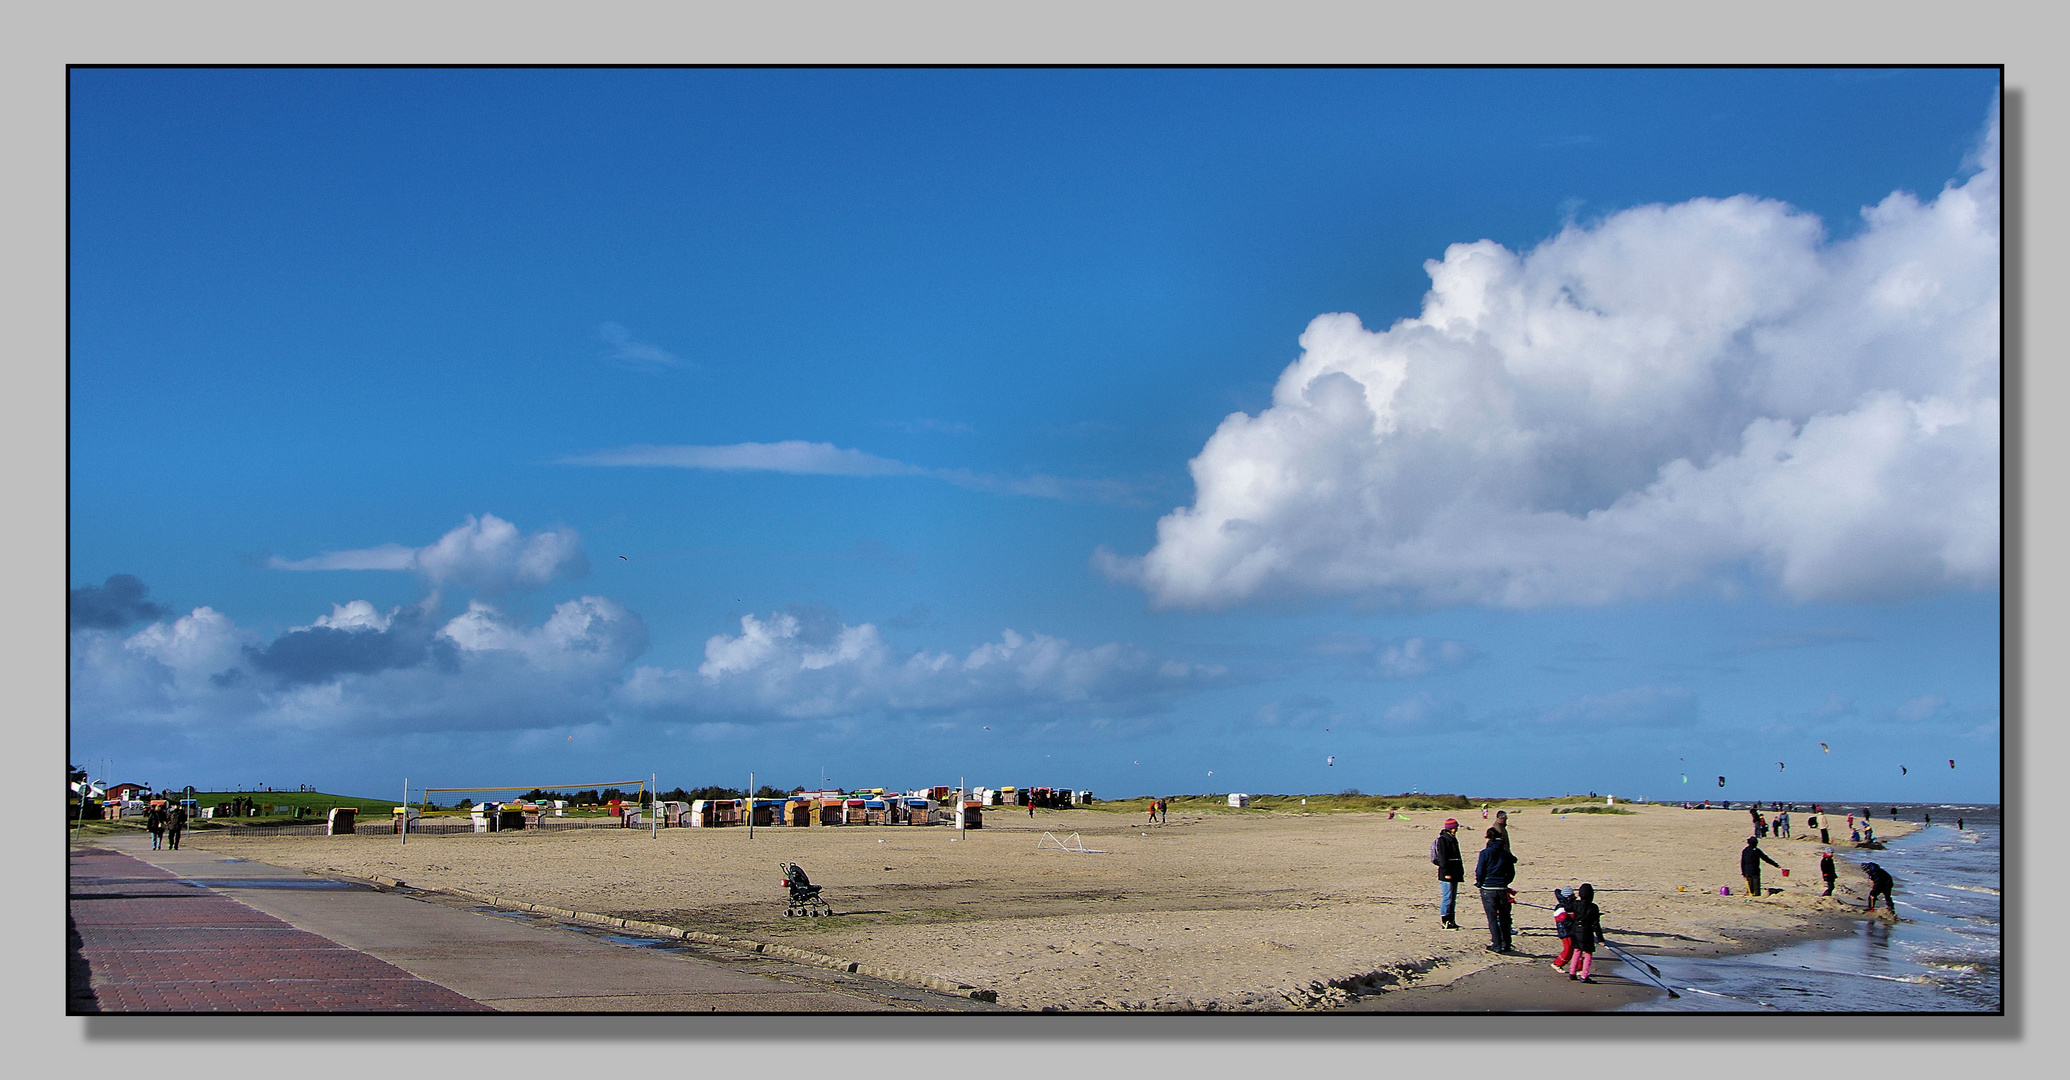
x=1880, y=884
x=1444, y=853
x=1750, y=859
x=1586, y=931
x=1492, y=873
x=1826, y=870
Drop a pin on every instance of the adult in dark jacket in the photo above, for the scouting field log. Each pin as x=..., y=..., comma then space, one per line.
x=1880, y=884
x=1750, y=859
x=1444, y=853
x=1826, y=870
x=1492, y=873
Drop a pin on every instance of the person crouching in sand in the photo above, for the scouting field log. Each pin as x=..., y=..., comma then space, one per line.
x=1881, y=885
x=1586, y=929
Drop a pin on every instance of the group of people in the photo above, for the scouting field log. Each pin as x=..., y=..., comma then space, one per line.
x=165, y=826
x=1880, y=882
x=1157, y=808
x=1493, y=871
x=1576, y=918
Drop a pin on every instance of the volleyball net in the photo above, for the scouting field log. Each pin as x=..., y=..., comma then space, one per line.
x=639, y=790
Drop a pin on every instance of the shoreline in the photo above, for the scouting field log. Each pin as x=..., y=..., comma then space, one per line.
x=1513, y=986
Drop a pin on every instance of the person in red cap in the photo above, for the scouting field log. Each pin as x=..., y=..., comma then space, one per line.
x=1444, y=853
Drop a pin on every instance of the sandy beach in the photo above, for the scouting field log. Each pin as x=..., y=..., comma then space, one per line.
x=1238, y=910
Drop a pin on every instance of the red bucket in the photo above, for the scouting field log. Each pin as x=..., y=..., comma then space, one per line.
x=1786, y=871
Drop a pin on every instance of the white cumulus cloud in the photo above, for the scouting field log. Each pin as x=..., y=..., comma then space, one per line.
x=1666, y=399
x=357, y=669
x=799, y=665
x=486, y=553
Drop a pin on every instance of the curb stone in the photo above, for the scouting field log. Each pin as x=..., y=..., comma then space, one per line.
x=788, y=952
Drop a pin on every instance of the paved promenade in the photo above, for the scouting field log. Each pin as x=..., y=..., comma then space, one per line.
x=192, y=931
x=154, y=943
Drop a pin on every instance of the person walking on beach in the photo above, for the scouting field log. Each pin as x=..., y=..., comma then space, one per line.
x=1750, y=859
x=1586, y=930
x=1825, y=870
x=154, y=820
x=1492, y=873
x=1880, y=884
x=175, y=824
x=1444, y=853
x=1153, y=812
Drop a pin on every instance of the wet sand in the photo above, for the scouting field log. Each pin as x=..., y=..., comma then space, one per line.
x=1237, y=910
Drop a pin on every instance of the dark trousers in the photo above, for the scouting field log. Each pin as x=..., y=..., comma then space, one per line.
x=1753, y=884
x=173, y=835
x=1495, y=905
x=1829, y=887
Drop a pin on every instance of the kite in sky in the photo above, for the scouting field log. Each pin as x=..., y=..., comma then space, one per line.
x=1826, y=748
x=1332, y=761
x=1951, y=763
x=1902, y=771
x=1721, y=781
x=1779, y=766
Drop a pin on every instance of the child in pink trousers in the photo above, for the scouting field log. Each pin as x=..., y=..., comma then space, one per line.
x=1585, y=929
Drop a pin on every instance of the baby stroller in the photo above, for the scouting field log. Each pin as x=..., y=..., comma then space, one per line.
x=804, y=894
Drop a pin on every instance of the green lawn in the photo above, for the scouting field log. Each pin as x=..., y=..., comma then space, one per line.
x=314, y=802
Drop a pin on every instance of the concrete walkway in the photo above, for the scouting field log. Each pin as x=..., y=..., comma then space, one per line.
x=504, y=963
x=144, y=941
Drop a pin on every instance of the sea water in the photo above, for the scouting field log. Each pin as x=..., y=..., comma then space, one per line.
x=1941, y=956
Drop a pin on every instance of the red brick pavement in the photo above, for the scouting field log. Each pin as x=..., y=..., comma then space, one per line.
x=143, y=941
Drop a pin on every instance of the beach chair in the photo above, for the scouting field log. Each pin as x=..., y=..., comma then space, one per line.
x=804, y=895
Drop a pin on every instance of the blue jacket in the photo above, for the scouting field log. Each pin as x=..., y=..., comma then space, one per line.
x=1496, y=867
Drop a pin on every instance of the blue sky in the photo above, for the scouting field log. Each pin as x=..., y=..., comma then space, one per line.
x=885, y=385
